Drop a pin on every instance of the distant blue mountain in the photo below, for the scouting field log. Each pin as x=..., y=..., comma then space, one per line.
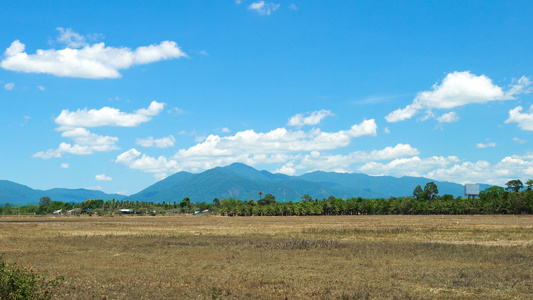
x=244, y=182
x=18, y=194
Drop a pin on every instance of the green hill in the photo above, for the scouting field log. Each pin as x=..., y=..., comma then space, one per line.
x=18, y=194
x=244, y=182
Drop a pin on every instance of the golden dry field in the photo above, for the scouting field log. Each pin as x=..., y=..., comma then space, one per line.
x=320, y=257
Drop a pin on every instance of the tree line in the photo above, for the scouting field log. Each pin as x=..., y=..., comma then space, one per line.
x=513, y=199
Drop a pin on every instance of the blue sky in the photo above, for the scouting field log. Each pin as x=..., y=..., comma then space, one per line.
x=115, y=96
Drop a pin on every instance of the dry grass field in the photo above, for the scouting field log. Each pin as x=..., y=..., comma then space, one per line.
x=337, y=257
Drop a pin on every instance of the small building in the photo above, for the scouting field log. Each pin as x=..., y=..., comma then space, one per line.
x=126, y=211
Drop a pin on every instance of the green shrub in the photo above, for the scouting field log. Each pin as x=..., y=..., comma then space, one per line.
x=17, y=282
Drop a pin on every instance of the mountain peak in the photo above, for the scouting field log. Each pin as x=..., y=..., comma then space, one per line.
x=239, y=166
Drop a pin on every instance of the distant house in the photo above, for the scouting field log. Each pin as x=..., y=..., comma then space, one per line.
x=126, y=211
x=58, y=212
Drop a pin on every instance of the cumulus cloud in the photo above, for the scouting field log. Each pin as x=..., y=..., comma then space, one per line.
x=94, y=61
x=73, y=126
x=108, y=116
x=279, y=140
x=458, y=89
x=9, y=86
x=328, y=162
x=159, y=143
x=263, y=8
x=486, y=145
x=70, y=38
x=448, y=118
x=249, y=147
x=524, y=120
x=411, y=166
x=65, y=165
x=103, y=177
x=312, y=119
x=287, y=169
x=74, y=149
x=510, y=167
x=135, y=160
x=452, y=169
x=83, y=136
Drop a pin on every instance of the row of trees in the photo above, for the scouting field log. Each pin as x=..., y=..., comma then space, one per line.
x=494, y=200
x=99, y=206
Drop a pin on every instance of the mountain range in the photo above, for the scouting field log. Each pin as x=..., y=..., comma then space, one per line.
x=242, y=182
x=18, y=194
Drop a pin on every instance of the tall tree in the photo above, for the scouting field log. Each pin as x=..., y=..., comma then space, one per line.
x=306, y=198
x=417, y=192
x=529, y=184
x=267, y=200
x=186, y=202
x=430, y=191
x=514, y=185
x=45, y=201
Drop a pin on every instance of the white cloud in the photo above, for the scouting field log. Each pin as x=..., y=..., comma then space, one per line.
x=103, y=177
x=176, y=110
x=327, y=162
x=524, y=120
x=134, y=160
x=159, y=143
x=72, y=126
x=510, y=167
x=293, y=6
x=160, y=176
x=277, y=146
x=70, y=38
x=412, y=166
x=225, y=130
x=94, y=61
x=287, y=169
x=263, y=8
x=452, y=169
x=65, y=165
x=448, y=118
x=108, y=116
x=314, y=118
x=403, y=113
x=279, y=140
x=40, y=87
x=73, y=149
x=9, y=86
x=83, y=136
x=486, y=145
x=458, y=89
x=86, y=143
x=519, y=141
